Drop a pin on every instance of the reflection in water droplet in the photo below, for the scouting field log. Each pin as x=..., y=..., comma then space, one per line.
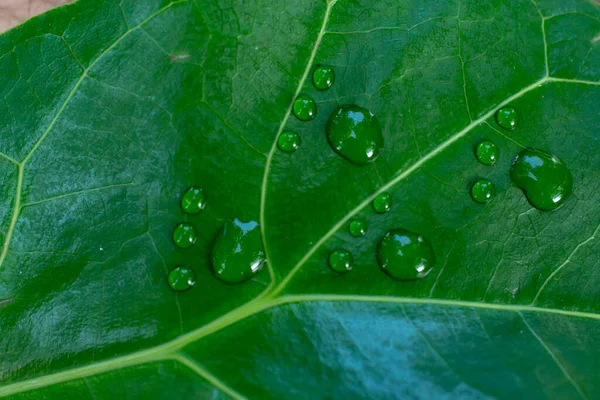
x=193, y=200
x=288, y=141
x=382, y=203
x=357, y=227
x=487, y=152
x=305, y=108
x=482, y=191
x=238, y=253
x=340, y=261
x=184, y=235
x=323, y=77
x=181, y=278
x=507, y=118
x=405, y=255
x=545, y=180
x=355, y=134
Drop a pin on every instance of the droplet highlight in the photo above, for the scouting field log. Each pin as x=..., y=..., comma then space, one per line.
x=483, y=191
x=382, y=203
x=507, y=118
x=304, y=108
x=340, y=261
x=545, y=180
x=184, y=235
x=288, y=141
x=355, y=134
x=357, y=227
x=405, y=255
x=193, y=200
x=323, y=77
x=237, y=253
x=487, y=152
x=181, y=278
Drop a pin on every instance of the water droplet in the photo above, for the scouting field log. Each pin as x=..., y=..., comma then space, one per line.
x=323, y=77
x=405, y=255
x=182, y=278
x=507, y=118
x=237, y=253
x=482, y=191
x=545, y=180
x=184, y=235
x=288, y=141
x=193, y=200
x=340, y=261
x=357, y=227
x=355, y=134
x=305, y=108
x=382, y=203
x=487, y=152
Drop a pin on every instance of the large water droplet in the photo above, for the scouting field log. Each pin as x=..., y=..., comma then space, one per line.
x=237, y=253
x=288, y=141
x=357, y=227
x=340, y=261
x=487, y=152
x=184, y=235
x=323, y=77
x=545, y=180
x=305, y=108
x=355, y=134
x=193, y=200
x=382, y=203
x=482, y=191
x=182, y=278
x=507, y=118
x=405, y=255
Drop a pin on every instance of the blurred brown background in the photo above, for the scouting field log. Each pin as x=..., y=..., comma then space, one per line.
x=13, y=12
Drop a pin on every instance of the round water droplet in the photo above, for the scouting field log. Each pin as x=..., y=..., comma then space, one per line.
x=182, y=278
x=482, y=191
x=323, y=77
x=405, y=255
x=487, y=152
x=382, y=203
x=355, y=134
x=193, y=200
x=305, y=108
x=357, y=227
x=288, y=141
x=507, y=118
x=545, y=180
x=237, y=253
x=184, y=235
x=340, y=261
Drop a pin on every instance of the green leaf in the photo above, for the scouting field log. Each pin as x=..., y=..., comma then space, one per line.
x=112, y=110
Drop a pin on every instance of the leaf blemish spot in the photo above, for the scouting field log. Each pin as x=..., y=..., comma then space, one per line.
x=179, y=57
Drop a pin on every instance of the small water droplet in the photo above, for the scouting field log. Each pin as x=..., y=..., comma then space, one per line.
x=184, y=235
x=340, y=261
x=193, y=200
x=288, y=141
x=507, y=118
x=237, y=253
x=405, y=255
x=487, y=152
x=181, y=278
x=323, y=77
x=382, y=203
x=305, y=108
x=545, y=180
x=482, y=191
x=357, y=227
x=355, y=134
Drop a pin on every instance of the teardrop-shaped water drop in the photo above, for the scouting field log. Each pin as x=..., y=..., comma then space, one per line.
x=193, y=200
x=323, y=77
x=487, y=152
x=340, y=261
x=357, y=227
x=181, y=278
x=355, y=134
x=507, y=118
x=305, y=108
x=382, y=203
x=482, y=191
x=545, y=180
x=184, y=235
x=288, y=141
x=238, y=254
x=405, y=255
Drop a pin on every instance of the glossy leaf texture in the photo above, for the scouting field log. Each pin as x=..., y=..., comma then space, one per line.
x=112, y=110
